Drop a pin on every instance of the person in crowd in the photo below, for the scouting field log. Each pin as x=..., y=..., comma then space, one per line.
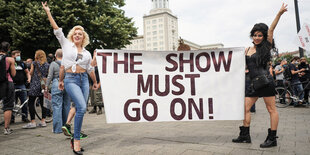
x=60, y=99
x=67, y=127
x=21, y=78
x=6, y=85
x=38, y=71
x=295, y=82
x=96, y=95
x=77, y=63
x=50, y=58
x=257, y=62
x=279, y=72
x=271, y=70
x=29, y=62
x=304, y=78
x=278, y=62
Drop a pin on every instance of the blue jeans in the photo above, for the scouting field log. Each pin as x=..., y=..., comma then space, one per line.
x=298, y=89
x=22, y=95
x=61, y=107
x=77, y=86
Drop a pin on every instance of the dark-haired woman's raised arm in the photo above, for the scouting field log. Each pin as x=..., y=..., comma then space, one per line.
x=275, y=22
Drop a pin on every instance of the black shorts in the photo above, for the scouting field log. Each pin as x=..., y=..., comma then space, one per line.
x=8, y=101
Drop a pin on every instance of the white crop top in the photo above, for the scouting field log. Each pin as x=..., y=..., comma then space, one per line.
x=70, y=54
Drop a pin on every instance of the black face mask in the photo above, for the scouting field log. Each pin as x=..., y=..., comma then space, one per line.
x=303, y=63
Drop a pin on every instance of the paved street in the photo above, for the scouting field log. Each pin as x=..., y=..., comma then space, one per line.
x=182, y=138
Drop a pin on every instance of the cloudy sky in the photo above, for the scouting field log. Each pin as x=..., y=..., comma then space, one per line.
x=227, y=21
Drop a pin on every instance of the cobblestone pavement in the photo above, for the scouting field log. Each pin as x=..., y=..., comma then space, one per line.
x=181, y=138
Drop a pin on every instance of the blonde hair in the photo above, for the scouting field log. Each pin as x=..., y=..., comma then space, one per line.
x=40, y=56
x=85, y=41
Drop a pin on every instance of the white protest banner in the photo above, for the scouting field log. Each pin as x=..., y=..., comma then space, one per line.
x=153, y=86
x=304, y=37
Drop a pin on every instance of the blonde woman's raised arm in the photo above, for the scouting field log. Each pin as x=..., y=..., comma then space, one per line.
x=49, y=15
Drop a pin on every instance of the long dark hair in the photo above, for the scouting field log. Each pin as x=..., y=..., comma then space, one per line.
x=262, y=49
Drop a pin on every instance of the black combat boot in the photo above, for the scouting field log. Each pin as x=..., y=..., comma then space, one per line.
x=244, y=135
x=271, y=139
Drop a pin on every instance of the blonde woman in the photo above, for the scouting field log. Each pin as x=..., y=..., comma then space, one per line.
x=77, y=63
x=38, y=70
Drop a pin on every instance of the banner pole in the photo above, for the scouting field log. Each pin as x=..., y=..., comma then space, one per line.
x=301, y=53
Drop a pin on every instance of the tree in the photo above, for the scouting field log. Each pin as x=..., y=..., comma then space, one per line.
x=27, y=28
x=109, y=21
x=183, y=46
x=4, y=26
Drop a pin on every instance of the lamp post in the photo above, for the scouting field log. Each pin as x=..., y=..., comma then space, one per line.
x=301, y=52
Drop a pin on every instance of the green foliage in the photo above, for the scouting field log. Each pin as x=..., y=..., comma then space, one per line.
x=287, y=57
x=4, y=26
x=25, y=25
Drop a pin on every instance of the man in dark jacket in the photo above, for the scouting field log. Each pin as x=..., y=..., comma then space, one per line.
x=21, y=78
x=297, y=86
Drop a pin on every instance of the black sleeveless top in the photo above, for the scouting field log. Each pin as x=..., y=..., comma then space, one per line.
x=255, y=70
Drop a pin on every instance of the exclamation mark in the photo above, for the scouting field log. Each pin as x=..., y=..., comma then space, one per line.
x=210, y=108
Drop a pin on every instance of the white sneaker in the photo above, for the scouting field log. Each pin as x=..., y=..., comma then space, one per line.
x=42, y=124
x=30, y=126
x=8, y=131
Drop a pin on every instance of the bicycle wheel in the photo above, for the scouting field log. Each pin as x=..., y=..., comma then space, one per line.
x=283, y=94
x=38, y=111
x=49, y=116
x=37, y=108
x=17, y=108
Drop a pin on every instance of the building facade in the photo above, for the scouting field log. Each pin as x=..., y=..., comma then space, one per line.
x=160, y=30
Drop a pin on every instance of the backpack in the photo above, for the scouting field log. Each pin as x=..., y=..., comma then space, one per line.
x=3, y=76
x=287, y=73
x=20, y=78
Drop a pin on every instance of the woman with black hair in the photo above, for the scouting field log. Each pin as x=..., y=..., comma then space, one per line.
x=257, y=59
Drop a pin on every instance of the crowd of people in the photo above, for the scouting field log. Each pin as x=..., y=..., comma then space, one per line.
x=294, y=73
x=297, y=74
x=25, y=80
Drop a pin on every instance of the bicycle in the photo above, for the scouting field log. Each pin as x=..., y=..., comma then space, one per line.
x=289, y=97
x=17, y=109
x=38, y=111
